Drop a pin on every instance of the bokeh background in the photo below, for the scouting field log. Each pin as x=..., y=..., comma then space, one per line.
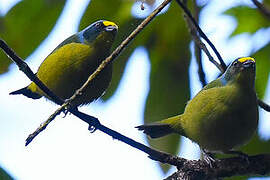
x=153, y=79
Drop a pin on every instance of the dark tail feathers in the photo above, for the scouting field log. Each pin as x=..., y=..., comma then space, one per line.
x=27, y=93
x=156, y=130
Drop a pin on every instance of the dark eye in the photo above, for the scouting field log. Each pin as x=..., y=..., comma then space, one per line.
x=235, y=63
x=98, y=24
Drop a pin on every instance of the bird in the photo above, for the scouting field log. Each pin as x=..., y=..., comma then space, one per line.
x=70, y=64
x=221, y=117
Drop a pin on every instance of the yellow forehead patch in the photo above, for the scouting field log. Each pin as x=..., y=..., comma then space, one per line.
x=244, y=59
x=109, y=23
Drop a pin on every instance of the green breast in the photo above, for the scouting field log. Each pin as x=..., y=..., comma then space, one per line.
x=221, y=118
x=67, y=68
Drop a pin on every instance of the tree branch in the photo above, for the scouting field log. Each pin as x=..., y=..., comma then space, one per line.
x=236, y=166
x=198, y=46
x=187, y=12
x=264, y=10
x=198, y=50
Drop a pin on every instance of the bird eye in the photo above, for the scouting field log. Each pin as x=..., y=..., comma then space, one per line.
x=234, y=63
x=98, y=24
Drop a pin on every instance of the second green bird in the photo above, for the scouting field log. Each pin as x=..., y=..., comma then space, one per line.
x=222, y=116
x=73, y=61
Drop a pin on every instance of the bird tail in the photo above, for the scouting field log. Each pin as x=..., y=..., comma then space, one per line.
x=163, y=128
x=156, y=130
x=27, y=92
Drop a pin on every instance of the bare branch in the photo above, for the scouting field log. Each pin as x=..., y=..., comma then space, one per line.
x=200, y=44
x=237, y=166
x=222, y=64
x=197, y=49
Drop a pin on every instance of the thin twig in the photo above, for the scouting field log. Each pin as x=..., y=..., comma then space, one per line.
x=264, y=10
x=223, y=65
x=198, y=43
x=198, y=50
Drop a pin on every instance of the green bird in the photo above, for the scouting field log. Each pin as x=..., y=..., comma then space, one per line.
x=222, y=116
x=70, y=64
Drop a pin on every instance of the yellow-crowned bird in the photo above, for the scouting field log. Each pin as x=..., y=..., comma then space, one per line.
x=222, y=116
x=69, y=65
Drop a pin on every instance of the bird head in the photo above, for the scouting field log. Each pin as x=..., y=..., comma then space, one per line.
x=242, y=71
x=101, y=32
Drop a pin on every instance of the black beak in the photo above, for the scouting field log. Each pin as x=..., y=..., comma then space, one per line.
x=111, y=28
x=248, y=63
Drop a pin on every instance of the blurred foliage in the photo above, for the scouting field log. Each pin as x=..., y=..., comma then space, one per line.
x=26, y=25
x=4, y=175
x=263, y=69
x=256, y=20
x=166, y=39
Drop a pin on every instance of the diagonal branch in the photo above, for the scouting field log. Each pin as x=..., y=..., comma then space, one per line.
x=264, y=10
x=187, y=12
x=198, y=50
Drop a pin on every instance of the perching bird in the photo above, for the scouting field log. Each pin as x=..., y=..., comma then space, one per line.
x=73, y=61
x=222, y=116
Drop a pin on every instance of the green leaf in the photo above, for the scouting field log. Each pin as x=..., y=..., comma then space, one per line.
x=267, y=3
x=4, y=175
x=26, y=25
x=262, y=57
x=248, y=19
x=167, y=40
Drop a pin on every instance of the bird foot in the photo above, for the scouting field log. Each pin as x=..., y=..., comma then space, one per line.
x=92, y=129
x=66, y=110
x=209, y=158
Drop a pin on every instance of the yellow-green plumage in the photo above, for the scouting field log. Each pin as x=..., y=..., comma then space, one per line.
x=222, y=116
x=73, y=61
